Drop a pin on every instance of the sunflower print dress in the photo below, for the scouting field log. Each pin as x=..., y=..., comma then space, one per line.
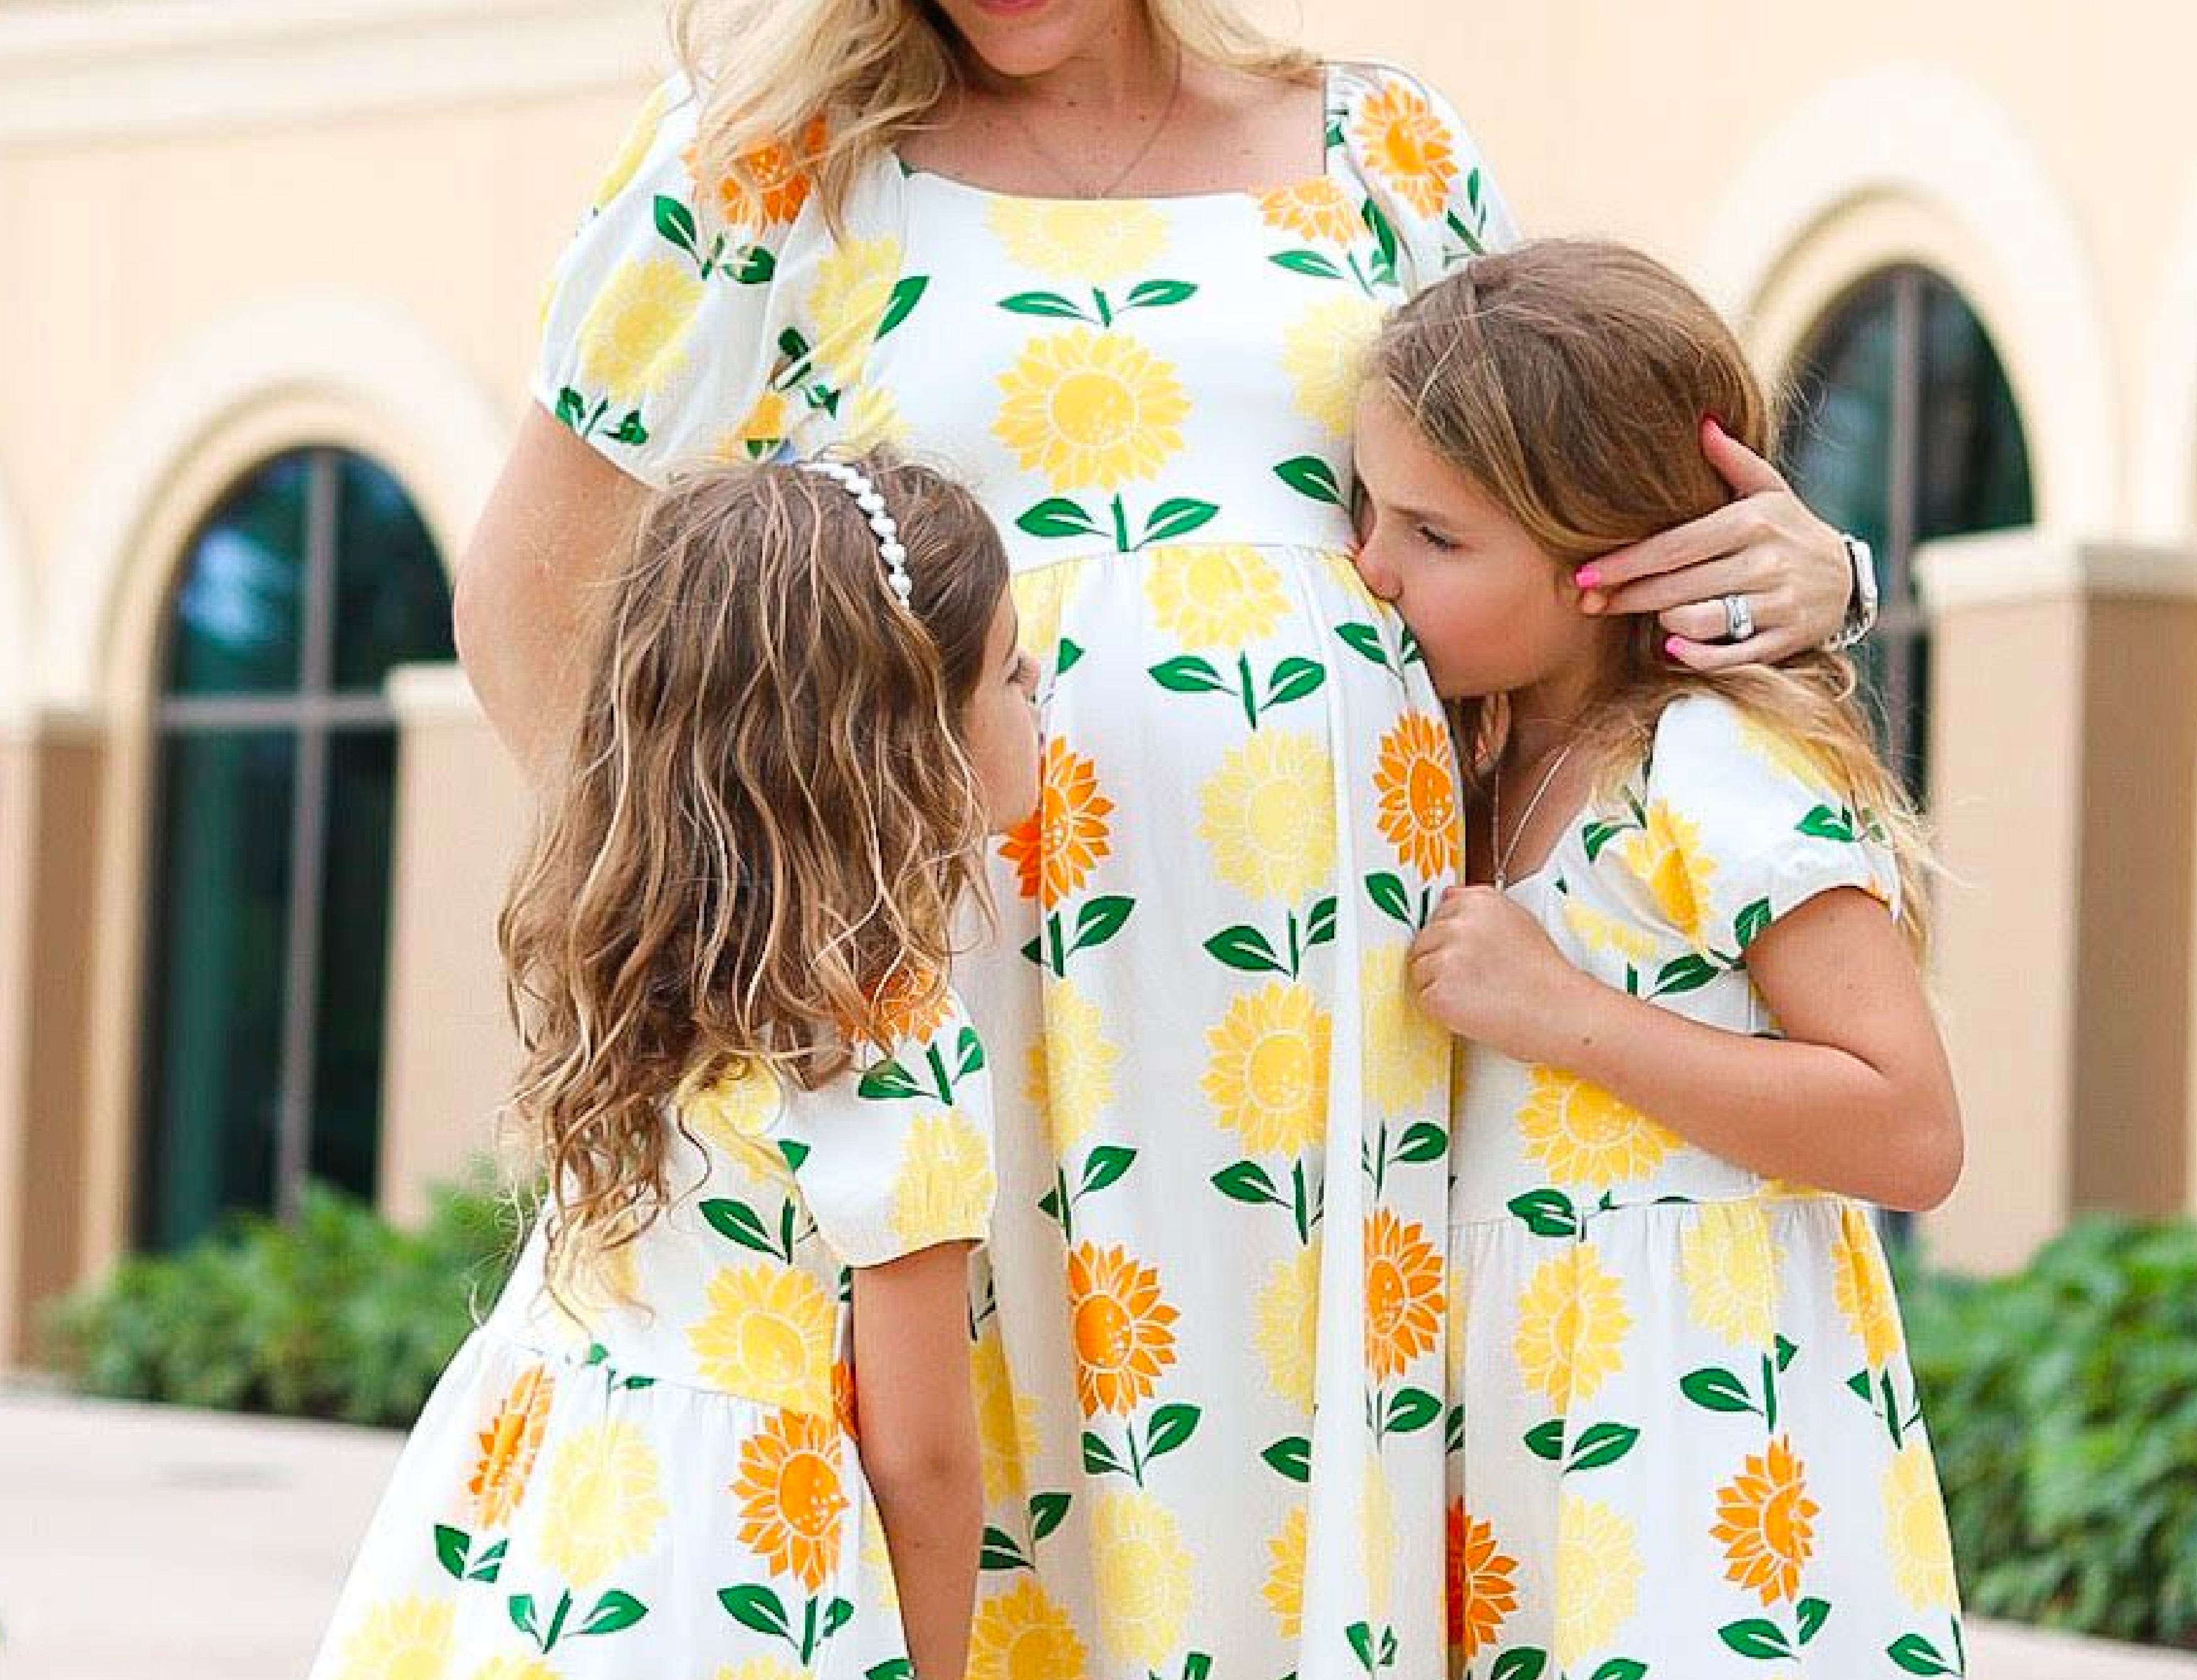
x=1688, y=1444
x=657, y=1472
x=1211, y=1348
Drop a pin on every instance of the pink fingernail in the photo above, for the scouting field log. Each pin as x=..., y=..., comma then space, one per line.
x=1587, y=577
x=1670, y=647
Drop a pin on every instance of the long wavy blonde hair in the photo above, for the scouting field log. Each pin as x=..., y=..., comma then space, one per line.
x=823, y=87
x=1568, y=379
x=770, y=826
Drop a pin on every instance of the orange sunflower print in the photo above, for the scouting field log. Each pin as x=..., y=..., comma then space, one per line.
x=1314, y=209
x=790, y=1499
x=1417, y=783
x=508, y=1446
x=1764, y=1524
x=766, y=186
x=1408, y=145
x=1403, y=1294
x=1483, y=1591
x=1124, y=1334
x=1055, y=848
x=909, y=1007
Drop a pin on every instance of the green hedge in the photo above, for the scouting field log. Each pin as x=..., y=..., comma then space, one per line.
x=2062, y=1404
x=2062, y=1399
x=341, y=1315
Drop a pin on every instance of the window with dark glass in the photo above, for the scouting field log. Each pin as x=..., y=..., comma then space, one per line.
x=1903, y=430
x=269, y=891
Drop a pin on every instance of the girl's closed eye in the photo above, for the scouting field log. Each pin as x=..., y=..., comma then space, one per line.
x=1434, y=539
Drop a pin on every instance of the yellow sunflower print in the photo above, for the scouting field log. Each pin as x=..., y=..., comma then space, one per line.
x=1214, y=594
x=1268, y=813
x=633, y=338
x=1317, y=209
x=1572, y=1324
x=404, y=1639
x=1667, y=857
x=1377, y=1536
x=603, y=1493
x=1145, y=1575
x=1407, y=1056
x=633, y=150
x=1006, y=1423
x=1023, y=1635
x=847, y=305
x=1266, y=1074
x=767, y=1337
x=768, y=423
x=1286, y=1326
x=1598, y=932
x=1586, y=1136
x=760, y=1668
x=731, y=1112
x=1408, y=147
x=1284, y=1586
x=1095, y=241
x=1324, y=353
x=1727, y=1261
x=1071, y=1065
x=874, y=419
x=508, y=1446
x=945, y=1187
x=1598, y=1571
x=1091, y=409
x=1916, y=1538
x=1861, y=1286
x=510, y=1668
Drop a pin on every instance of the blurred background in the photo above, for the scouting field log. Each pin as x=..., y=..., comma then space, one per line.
x=269, y=272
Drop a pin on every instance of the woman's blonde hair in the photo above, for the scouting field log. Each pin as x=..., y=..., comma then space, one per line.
x=770, y=826
x=823, y=87
x=1568, y=379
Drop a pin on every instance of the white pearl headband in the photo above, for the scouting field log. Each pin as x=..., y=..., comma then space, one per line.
x=872, y=502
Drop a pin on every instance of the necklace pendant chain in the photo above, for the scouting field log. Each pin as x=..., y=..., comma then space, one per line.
x=1504, y=854
x=1105, y=190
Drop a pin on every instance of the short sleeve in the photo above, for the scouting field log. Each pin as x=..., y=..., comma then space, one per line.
x=1736, y=826
x=658, y=326
x=896, y=1157
x=1425, y=180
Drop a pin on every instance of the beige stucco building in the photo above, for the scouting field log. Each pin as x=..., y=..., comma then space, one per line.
x=312, y=231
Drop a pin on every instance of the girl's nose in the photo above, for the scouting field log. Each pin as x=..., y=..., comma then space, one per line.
x=1377, y=575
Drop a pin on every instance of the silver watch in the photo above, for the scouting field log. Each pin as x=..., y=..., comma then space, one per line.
x=1861, y=604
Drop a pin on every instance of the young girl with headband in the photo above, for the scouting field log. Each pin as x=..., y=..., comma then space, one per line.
x=763, y=1119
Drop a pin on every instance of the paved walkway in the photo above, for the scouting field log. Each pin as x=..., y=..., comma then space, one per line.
x=149, y=1543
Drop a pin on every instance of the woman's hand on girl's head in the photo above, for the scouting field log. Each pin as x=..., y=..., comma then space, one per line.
x=1486, y=969
x=1792, y=568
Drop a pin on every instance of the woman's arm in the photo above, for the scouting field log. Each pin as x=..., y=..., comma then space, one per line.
x=918, y=1441
x=557, y=510
x=1794, y=569
x=1857, y=1099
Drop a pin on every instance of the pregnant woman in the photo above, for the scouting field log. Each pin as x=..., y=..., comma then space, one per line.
x=1112, y=264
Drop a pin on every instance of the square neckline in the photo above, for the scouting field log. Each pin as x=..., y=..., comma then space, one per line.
x=1219, y=195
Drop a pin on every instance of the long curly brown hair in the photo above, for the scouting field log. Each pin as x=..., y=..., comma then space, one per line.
x=768, y=825
x=1567, y=379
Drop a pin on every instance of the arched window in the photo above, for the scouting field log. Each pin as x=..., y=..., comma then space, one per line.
x=276, y=752
x=1905, y=430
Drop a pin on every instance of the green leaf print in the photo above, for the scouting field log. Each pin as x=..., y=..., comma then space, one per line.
x=900, y=1668
x=970, y=1049
x=1159, y=294
x=1246, y=950
x=1689, y=973
x=1764, y=1641
x=1291, y=1457
x=1189, y=675
x=1813, y=1614
x=1411, y=1410
x=1293, y=679
x=1364, y=639
x=676, y=222
x=1749, y=925
x=758, y=266
x=1065, y=663
x=1523, y=1663
x=1099, y=920
x=452, y=1549
x=1306, y=263
x=1103, y=1167
x=1177, y=516
x=1001, y=1553
x=1098, y=1459
x=630, y=431
x=1620, y=1668
x=1310, y=476
x=1361, y=1640
x=886, y=1082
x=1384, y=235
x=1603, y=1444
x=1596, y=835
x=1197, y=1666
x=1827, y=822
x=1172, y=1426
x=521, y=1610
x=1913, y=1654
x=1048, y=1512
x=490, y=1564
x=614, y=1613
x=756, y=1608
x=793, y=1153
x=1058, y=516
x=1247, y=1182
x=1049, y=304
x=1319, y=926
x=1714, y=1389
x=1786, y=1352
x=571, y=408
x=741, y=1224
x=1547, y=1213
x=1390, y=899
x=1546, y=1440
x=906, y=295
x=1424, y=1142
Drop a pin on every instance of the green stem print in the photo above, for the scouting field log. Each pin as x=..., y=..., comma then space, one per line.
x=1914, y=1654
x=1098, y=921
x=1103, y=1168
x=762, y=1609
x=613, y=1612
x=1247, y=949
x=1172, y=1426
x=1290, y=680
x=1249, y=1182
x=1002, y=1553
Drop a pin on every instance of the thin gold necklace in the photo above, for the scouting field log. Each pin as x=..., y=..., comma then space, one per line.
x=1074, y=184
x=1504, y=854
